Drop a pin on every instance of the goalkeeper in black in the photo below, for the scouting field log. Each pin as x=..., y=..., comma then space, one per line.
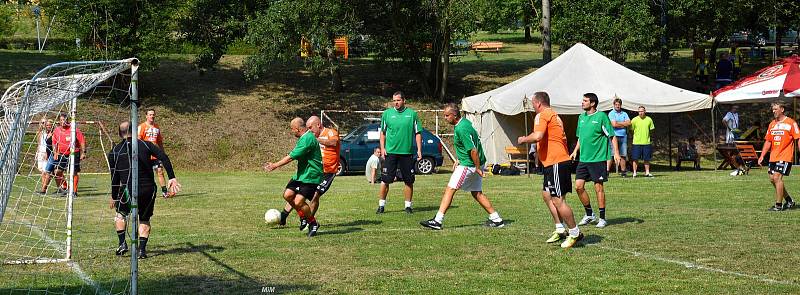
x=119, y=160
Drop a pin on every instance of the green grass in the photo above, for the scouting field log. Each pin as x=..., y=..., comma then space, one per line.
x=212, y=239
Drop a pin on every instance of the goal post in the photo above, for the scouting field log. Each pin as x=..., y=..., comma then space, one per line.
x=51, y=213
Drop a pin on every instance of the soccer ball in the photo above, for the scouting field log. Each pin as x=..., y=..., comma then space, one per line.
x=272, y=216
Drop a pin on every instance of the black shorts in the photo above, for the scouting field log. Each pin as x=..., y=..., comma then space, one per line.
x=594, y=171
x=327, y=180
x=145, y=203
x=404, y=163
x=301, y=188
x=558, y=179
x=782, y=167
x=61, y=162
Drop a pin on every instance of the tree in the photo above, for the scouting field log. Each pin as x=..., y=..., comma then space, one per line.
x=278, y=32
x=212, y=25
x=612, y=27
x=110, y=29
x=418, y=35
x=7, y=27
x=547, y=48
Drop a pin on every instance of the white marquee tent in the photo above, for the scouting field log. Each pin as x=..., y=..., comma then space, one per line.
x=500, y=115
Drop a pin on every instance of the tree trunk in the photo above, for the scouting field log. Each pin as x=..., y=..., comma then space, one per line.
x=664, y=47
x=445, y=63
x=526, y=19
x=712, y=54
x=779, y=32
x=333, y=65
x=547, y=50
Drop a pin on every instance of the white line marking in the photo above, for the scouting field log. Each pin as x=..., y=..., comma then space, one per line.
x=697, y=266
x=72, y=264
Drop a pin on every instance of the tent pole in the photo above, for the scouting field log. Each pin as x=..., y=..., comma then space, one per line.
x=669, y=136
x=713, y=134
x=528, y=154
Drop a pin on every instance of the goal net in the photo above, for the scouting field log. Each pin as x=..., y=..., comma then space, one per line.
x=56, y=229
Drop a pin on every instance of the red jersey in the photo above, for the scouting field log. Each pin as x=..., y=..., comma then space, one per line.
x=62, y=137
x=782, y=135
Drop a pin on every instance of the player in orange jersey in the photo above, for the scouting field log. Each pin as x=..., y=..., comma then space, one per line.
x=150, y=131
x=329, y=146
x=780, y=143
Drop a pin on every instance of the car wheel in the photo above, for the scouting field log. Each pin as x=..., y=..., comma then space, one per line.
x=341, y=169
x=425, y=166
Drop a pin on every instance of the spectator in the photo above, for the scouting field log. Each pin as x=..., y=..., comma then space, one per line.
x=724, y=71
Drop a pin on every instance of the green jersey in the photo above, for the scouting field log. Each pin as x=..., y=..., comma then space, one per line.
x=593, y=133
x=309, y=159
x=466, y=139
x=641, y=130
x=400, y=128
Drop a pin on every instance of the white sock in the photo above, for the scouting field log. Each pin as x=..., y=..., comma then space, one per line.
x=408, y=204
x=574, y=232
x=495, y=217
x=382, y=203
x=560, y=228
x=439, y=217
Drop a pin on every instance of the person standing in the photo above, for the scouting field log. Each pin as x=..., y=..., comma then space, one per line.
x=44, y=150
x=731, y=122
x=468, y=174
x=782, y=135
x=62, y=138
x=620, y=121
x=304, y=182
x=724, y=71
x=551, y=146
x=150, y=131
x=593, y=131
x=373, y=167
x=119, y=161
x=642, y=149
x=400, y=128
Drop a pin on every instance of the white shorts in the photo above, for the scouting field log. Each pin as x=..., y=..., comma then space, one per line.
x=466, y=179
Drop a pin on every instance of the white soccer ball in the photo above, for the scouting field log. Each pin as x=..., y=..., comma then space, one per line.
x=272, y=216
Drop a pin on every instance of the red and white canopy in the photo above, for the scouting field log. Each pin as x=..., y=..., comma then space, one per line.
x=777, y=81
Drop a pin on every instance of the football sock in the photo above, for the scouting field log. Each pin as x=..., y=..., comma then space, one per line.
x=142, y=243
x=301, y=214
x=408, y=204
x=574, y=232
x=75, y=183
x=560, y=228
x=602, y=213
x=495, y=217
x=312, y=220
x=121, y=236
x=778, y=205
x=284, y=212
x=588, y=209
x=439, y=217
x=164, y=189
x=381, y=203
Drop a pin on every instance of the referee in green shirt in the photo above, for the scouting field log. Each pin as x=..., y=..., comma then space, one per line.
x=399, y=126
x=594, y=131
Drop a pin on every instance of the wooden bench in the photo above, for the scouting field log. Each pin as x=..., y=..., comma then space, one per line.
x=741, y=155
x=517, y=156
x=487, y=46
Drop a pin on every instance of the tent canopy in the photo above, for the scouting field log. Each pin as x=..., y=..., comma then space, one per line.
x=781, y=80
x=580, y=70
x=500, y=115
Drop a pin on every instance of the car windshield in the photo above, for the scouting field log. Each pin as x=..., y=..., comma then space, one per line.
x=353, y=135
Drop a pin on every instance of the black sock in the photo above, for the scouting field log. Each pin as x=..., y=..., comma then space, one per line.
x=602, y=213
x=142, y=244
x=163, y=189
x=121, y=236
x=778, y=205
x=588, y=209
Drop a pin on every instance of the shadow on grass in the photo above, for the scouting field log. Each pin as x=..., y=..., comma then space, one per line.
x=185, y=249
x=357, y=223
x=481, y=224
x=622, y=220
x=183, y=284
x=340, y=231
x=589, y=240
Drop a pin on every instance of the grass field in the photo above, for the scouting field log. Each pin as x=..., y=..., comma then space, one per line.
x=680, y=232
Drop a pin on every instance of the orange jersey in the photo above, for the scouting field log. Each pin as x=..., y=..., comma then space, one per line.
x=330, y=154
x=782, y=135
x=151, y=134
x=552, y=149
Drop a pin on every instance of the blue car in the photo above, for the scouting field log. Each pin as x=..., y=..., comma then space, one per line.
x=358, y=145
